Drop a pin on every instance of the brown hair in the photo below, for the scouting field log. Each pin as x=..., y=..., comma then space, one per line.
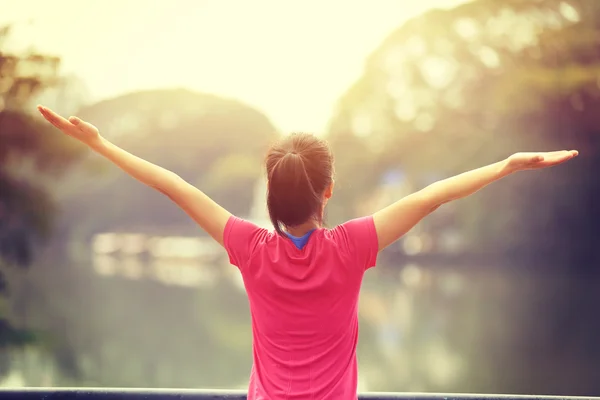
x=299, y=169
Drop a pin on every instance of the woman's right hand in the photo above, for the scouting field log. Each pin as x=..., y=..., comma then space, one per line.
x=80, y=130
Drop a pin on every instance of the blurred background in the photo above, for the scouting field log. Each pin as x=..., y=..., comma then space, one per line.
x=106, y=283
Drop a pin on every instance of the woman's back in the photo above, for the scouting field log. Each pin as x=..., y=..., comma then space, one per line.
x=303, y=302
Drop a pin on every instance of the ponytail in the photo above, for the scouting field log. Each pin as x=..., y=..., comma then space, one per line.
x=299, y=169
x=291, y=197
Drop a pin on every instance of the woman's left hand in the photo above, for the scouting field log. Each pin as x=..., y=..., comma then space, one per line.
x=524, y=161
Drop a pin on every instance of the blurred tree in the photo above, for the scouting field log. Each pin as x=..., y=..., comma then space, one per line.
x=28, y=153
x=455, y=89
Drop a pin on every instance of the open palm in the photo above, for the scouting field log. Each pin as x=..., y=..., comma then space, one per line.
x=80, y=130
x=523, y=161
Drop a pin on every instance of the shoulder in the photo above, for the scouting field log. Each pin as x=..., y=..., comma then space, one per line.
x=359, y=227
x=236, y=227
x=241, y=239
x=358, y=238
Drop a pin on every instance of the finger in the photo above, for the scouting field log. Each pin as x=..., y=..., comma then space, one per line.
x=42, y=111
x=59, y=120
x=559, y=159
x=74, y=120
x=560, y=156
x=557, y=153
x=50, y=119
x=567, y=155
x=82, y=125
x=54, y=118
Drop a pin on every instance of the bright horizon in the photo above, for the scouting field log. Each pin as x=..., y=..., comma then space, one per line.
x=290, y=61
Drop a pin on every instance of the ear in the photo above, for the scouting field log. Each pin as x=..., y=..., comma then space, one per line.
x=329, y=190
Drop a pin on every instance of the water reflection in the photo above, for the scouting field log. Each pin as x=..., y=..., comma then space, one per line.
x=408, y=344
x=170, y=260
x=148, y=319
x=400, y=329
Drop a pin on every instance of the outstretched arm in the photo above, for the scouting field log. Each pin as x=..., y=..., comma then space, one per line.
x=209, y=215
x=397, y=219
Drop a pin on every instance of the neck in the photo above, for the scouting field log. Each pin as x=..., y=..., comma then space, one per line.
x=301, y=230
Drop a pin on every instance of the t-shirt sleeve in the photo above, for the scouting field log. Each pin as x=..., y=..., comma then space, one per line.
x=359, y=238
x=240, y=239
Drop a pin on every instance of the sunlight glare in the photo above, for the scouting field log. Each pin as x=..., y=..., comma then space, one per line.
x=291, y=60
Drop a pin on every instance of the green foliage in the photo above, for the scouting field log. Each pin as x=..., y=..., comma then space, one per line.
x=453, y=90
x=28, y=154
x=11, y=337
x=456, y=89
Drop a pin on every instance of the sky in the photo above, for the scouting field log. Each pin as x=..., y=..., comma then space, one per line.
x=291, y=60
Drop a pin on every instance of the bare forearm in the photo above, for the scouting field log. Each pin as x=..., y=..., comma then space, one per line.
x=208, y=214
x=395, y=220
x=144, y=171
x=467, y=183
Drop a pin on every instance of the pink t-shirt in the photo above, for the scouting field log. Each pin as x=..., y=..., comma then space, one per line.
x=304, y=307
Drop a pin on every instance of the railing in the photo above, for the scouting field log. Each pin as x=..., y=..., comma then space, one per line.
x=182, y=394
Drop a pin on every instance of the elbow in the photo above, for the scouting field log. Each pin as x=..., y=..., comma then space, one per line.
x=435, y=208
x=168, y=184
x=434, y=196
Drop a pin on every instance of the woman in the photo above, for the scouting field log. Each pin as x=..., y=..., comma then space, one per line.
x=302, y=280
